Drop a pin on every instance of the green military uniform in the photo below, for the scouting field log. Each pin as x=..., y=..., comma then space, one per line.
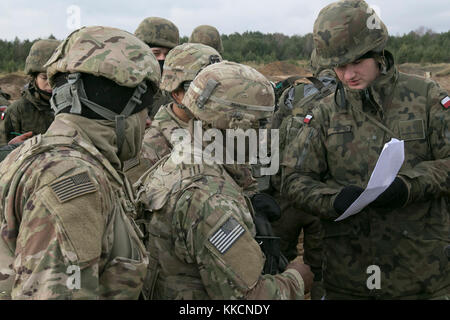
x=200, y=223
x=30, y=113
x=294, y=104
x=340, y=146
x=66, y=209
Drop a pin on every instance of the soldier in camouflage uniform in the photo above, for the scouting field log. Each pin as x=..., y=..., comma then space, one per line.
x=183, y=63
x=201, y=227
x=161, y=35
x=405, y=231
x=32, y=111
x=295, y=102
x=207, y=35
x=65, y=205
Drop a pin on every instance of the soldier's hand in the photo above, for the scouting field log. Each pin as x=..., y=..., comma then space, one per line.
x=305, y=272
x=21, y=138
x=395, y=196
x=346, y=197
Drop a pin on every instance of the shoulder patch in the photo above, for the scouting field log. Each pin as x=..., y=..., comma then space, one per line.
x=446, y=102
x=226, y=235
x=73, y=187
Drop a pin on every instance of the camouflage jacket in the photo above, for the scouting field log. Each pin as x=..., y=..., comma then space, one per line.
x=339, y=147
x=65, y=227
x=191, y=209
x=157, y=141
x=29, y=113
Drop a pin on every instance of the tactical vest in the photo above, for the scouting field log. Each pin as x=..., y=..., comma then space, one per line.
x=182, y=279
x=124, y=211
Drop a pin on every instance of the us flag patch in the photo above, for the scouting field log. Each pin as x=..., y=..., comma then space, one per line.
x=227, y=234
x=446, y=102
x=73, y=187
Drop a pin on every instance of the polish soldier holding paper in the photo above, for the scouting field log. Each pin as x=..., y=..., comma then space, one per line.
x=398, y=246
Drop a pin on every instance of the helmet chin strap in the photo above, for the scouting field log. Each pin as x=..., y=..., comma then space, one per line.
x=73, y=94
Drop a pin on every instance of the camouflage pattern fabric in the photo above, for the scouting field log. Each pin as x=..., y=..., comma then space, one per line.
x=30, y=113
x=344, y=31
x=208, y=35
x=254, y=94
x=40, y=52
x=63, y=207
x=157, y=141
x=161, y=98
x=184, y=62
x=158, y=32
x=105, y=52
x=340, y=147
x=188, y=206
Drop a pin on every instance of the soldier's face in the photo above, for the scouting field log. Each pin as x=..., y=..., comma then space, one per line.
x=160, y=52
x=359, y=74
x=42, y=82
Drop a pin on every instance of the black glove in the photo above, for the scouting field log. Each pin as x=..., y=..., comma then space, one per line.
x=346, y=197
x=395, y=196
x=265, y=205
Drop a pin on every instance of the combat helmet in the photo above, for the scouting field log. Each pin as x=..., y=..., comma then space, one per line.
x=184, y=62
x=40, y=52
x=158, y=32
x=229, y=95
x=207, y=35
x=346, y=30
x=106, y=52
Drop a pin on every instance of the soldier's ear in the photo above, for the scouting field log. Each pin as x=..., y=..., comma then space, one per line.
x=178, y=94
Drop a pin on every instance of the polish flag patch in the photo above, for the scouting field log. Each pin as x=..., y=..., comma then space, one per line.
x=446, y=102
x=307, y=119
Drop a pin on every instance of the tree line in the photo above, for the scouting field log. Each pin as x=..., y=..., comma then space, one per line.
x=420, y=46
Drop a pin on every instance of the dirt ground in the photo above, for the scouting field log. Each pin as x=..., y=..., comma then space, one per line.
x=13, y=83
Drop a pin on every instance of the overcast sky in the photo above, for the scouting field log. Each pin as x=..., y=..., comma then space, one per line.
x=38, y=19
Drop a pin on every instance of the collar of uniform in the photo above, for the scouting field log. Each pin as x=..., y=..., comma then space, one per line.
x=161, y=119
x=32, y=95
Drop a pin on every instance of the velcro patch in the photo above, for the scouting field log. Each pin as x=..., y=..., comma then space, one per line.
x=73, y=187
x=446, y=102
x=227, y=234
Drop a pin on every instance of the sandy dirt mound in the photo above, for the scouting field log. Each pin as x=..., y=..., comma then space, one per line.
x=13, y=83
x=281, y=70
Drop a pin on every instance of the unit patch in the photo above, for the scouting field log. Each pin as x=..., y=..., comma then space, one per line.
x=227, y=234
x=73, y=187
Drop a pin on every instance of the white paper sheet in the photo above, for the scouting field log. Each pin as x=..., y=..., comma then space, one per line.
x=386, y=169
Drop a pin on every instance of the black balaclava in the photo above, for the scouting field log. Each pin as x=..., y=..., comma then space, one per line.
x=106, y=93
